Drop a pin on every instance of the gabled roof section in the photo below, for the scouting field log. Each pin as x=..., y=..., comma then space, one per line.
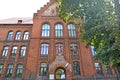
x=48, y=10
x=25, y=20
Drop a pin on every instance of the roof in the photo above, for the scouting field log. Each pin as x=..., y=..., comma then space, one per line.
x=24, y=20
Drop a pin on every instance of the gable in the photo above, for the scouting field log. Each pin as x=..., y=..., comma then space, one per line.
x=50, y=11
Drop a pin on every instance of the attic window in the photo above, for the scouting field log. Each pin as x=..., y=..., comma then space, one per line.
x=19, y=21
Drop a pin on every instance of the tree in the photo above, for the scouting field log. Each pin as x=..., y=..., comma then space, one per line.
x=100, y=25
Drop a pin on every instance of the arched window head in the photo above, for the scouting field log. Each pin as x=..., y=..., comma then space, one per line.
x=26, y=35
x=18, y=34
x=58, y=30
x=72, y=30
x=45, y=30
x=5, y=51
x=10, y=34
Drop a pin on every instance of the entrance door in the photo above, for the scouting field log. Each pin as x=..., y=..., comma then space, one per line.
x=60, y=74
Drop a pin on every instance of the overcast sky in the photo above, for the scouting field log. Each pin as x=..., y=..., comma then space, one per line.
x=20, y=8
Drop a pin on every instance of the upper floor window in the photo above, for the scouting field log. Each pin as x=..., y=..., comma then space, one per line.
x=93, y=51
x=14, y=51
x=58, y=30
x=59, y=49
x=76, y=67
x=10, y=34
x=74, y=49
x=44, y=49
x=98, y=68
x=107, y=69
x=17, y=37
x=26, y=35
x=19, y=70
x=1, y=68
x=71, y=30
x=46, y=30
x=5, y=51
x=43, y=69
x=23, y=51
x=9, y=70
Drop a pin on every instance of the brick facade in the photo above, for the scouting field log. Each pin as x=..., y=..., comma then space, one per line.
x=33, y=58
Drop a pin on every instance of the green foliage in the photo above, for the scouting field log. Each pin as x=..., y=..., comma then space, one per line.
x=100, y=28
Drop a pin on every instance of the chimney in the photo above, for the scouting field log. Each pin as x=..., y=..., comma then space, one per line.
x=19, y=21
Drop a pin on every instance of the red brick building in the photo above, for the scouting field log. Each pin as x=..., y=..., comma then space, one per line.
x=45, y=47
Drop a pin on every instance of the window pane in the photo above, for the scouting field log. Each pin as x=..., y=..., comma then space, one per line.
x=5, y=51
x=26, y=36
x=17, y=37
x=23, y=51
x=58, y=30
x=107, y=69
x=10, y=34
x=44, y=49
x=43, y=69
x=46, y=30
x=74, y=49
x=76, y=67
x=72, y=30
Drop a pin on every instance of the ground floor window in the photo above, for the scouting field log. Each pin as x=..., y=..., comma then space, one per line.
x=43, y=69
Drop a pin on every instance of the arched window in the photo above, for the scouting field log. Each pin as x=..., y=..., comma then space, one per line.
x=19, y=70
x=10, y=34
x=14, y=51
x=74, y=49
x=18, y=34
x=5, y=51
x=76, y=67
x=58, y=30
x=23, y=51
x=46, y=30
x=43, y=69
x=44, y=49
x=26, y=35
x=9, y=70
x=71, y=30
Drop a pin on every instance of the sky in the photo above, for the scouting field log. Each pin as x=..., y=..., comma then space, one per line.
x=20, y=8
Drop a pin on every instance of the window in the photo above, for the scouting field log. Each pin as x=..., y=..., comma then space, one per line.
x=9, y=70
x=10, y=34
x=14, y=51
x=23, y=51
x=46, y=30
x=76, y=67
x=98, y=68
x=59, y=49
x=93, y=50
x=1, y=68
x=71, y=30
x=19, y=70
x=43, y=69
x=5, y=51
x=58, y=30
x=44, y=49
x=17, y=37
x=107, y=69
x=74, y=49
x=26, y=35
